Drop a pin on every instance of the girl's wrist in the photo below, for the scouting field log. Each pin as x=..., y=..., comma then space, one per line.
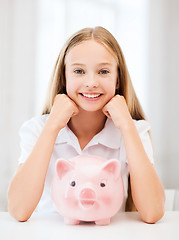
x=127, y=127
x=52, y=128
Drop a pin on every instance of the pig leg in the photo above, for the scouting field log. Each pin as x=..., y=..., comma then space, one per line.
x=70, y=221
x=103, y=221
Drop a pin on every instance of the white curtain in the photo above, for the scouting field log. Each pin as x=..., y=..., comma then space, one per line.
x=163, y=94
x=17, y=81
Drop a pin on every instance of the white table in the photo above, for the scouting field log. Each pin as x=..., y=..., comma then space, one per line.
x=123, y=226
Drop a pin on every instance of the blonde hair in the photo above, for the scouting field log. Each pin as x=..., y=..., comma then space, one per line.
x=57, y=83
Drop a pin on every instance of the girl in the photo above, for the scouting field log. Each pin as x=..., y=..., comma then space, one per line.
x=91, y=108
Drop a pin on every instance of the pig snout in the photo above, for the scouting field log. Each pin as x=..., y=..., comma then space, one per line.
x=87, y=193
x=87, y=197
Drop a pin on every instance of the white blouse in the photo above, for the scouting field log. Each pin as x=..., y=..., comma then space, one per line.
x=108, y=144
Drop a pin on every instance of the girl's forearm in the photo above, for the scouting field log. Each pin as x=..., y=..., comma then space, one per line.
x=147, y=191
x=27, y=185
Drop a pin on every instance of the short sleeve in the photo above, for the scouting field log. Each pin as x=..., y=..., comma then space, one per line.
x=29, y=133
x=143, y=128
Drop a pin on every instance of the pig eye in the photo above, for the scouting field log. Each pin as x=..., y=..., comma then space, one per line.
x=73, y=183
x=102, y=184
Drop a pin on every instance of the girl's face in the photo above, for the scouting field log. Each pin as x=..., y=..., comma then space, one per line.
x=91, y=75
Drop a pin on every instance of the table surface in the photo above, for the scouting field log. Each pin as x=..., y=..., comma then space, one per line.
x=123, y=226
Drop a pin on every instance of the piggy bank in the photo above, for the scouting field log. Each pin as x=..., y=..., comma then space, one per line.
x=87, y=188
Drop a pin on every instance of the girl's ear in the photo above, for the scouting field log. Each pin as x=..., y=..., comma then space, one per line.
x=63, y=167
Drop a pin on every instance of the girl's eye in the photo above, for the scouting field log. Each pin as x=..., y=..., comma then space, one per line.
x=79, y=71
x=73, y=183
x=104, y=71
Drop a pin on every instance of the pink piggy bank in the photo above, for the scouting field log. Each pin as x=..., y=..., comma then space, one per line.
x=87, y=188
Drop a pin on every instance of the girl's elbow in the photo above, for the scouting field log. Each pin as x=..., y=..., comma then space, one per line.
x=20, y=217
x=155, y=212
x=153, y=217
x=19, y=214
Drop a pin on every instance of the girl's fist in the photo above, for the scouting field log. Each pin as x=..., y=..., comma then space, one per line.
x=63, y=109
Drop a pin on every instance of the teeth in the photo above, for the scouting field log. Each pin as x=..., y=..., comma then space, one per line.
x=91, y=95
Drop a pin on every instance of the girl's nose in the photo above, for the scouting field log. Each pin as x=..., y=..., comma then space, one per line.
x=91, y=82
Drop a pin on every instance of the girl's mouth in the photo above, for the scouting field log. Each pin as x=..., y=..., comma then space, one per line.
x=91, y=96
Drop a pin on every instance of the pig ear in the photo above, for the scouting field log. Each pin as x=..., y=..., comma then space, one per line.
x=112, y=166
x=63, y=167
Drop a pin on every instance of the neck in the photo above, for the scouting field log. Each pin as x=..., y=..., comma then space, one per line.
x=87, y=124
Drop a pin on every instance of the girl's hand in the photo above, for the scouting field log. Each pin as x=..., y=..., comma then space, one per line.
x=117, y=109
x=63, y=109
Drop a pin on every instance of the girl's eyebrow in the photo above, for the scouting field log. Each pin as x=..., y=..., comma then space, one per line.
x=100, y=64
x=105, y=63
x=77, y=64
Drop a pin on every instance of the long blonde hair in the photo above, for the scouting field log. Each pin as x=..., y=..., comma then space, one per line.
x=57, y=83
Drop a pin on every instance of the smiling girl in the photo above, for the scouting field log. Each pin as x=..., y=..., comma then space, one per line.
x=91, y=108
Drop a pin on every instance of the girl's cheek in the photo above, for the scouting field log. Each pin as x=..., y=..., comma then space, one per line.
x=70, y=89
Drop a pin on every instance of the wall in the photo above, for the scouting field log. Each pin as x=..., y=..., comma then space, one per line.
x=17, y=80
x=163, y=96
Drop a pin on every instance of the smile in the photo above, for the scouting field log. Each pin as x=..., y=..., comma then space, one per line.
x=91, y=95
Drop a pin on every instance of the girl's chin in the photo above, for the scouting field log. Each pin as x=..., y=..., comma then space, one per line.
x=89, y=110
